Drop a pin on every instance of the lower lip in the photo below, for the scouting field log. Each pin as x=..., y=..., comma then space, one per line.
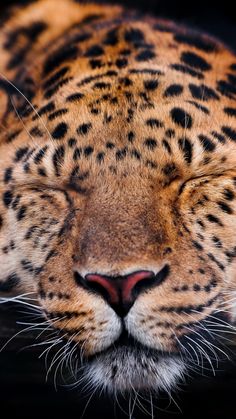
x=127, y=347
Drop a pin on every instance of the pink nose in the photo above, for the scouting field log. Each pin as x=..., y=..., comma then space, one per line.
x=121, y=292
x=119, y=289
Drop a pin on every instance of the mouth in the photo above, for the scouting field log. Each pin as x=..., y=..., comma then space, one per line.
x=128, y=364
x=129, y=344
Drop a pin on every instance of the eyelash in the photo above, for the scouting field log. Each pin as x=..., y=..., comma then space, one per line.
x=184, y=184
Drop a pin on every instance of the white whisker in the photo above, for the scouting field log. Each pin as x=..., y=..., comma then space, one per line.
x=29, y=103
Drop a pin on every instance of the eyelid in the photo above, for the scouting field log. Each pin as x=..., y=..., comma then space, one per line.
x=182, y=188
x=38, y=187
x=188, y=181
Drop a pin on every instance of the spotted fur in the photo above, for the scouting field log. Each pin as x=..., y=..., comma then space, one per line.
x=118, y=153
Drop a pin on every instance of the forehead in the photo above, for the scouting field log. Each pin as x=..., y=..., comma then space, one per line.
x=137, y=97
x=169, y=136
x=151, y=95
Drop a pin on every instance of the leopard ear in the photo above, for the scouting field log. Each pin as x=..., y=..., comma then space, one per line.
x=28, y=30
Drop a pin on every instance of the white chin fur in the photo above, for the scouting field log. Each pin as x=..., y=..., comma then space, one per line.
x=121, y=370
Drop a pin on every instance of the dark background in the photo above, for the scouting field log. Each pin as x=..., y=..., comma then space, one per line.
x=216, y=17
x=23, y=390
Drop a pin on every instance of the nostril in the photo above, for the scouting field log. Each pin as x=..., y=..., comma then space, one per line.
x=151, y=281
x=109, y=287
x=79, y=280
x=98, y=285
x=121, y=292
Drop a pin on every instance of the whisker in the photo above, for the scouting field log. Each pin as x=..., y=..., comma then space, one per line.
x=30, y=104
x=59, y=340
x=217, y=319
x=87, y=404
x=12, y=299
x=25, y=303
x=22, y=122
x=203, y=352
x=15, y=335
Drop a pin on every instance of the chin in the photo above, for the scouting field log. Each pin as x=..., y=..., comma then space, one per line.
x=123, y=369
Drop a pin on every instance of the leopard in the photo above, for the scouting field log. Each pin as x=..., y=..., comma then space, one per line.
x=118, y=188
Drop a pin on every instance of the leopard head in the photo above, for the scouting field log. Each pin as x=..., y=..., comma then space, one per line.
x=118, y=188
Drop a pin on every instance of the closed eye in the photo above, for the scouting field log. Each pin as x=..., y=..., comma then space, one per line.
x=200, y=180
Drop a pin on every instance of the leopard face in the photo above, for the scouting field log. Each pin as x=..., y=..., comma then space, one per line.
x=118, y=186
